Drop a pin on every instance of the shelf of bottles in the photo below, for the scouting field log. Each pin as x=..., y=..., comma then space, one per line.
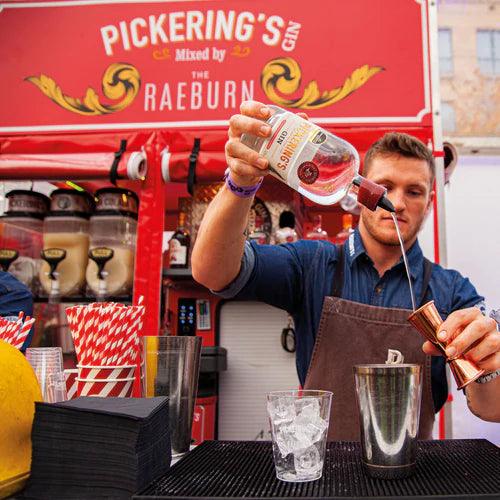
x=278, y=216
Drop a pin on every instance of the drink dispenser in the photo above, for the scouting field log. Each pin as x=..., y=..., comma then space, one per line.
x=113, y=227
x=66, y=228
x=22, y=236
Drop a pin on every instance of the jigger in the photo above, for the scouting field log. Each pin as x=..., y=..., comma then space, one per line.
x=428, y=322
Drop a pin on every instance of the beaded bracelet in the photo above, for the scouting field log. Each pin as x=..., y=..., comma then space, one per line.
x=241, y=191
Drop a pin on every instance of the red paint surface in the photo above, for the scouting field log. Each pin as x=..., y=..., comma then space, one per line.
x=65, y=44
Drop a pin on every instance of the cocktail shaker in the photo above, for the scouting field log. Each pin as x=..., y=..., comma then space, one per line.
x=389, y=398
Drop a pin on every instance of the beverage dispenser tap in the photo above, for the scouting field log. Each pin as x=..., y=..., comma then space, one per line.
x=7, y=257
x=101, y=255
x=53, y=257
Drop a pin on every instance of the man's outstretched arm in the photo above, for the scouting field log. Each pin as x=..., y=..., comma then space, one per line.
x=219, y=246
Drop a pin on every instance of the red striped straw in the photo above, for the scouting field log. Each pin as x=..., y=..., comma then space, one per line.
x=16, y=332
x=105, y=333
x=23, y=332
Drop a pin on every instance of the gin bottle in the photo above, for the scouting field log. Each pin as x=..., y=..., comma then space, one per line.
x=317, y=232
x=314, y=162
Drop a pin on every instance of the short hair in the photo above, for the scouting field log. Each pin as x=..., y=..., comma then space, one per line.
x=399, y=144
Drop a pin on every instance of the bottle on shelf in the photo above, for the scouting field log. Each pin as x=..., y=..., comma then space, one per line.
x=317, y=232
x=286, y=232
x=178, y=247
x=314, y=162
x=346, y=230
x=259, y=234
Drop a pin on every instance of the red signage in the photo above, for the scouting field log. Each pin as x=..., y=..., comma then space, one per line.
x=88, y=65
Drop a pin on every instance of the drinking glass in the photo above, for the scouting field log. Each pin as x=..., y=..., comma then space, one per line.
x=171, y=366
x=299, y=427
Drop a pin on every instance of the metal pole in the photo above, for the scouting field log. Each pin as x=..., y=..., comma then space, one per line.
x=440, y=245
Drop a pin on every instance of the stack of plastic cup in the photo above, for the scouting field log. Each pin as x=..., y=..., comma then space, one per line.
x=56, y=387
x=47, y=362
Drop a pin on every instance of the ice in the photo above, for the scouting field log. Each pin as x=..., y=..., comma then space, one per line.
x=309, y=419
x=312, y=428
x=281, y=411
x=295, y=432
x=307, y=462
x=291, y=438
x=307, y=404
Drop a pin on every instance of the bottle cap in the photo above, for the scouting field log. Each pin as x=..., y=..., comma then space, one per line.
x=347, y=221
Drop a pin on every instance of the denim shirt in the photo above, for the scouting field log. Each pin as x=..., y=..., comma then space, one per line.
x=15, y=297
x=297, y=276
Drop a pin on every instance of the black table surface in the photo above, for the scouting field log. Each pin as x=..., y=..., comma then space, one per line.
x=448, y=469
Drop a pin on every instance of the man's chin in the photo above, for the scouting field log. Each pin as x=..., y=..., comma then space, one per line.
x=387, y=240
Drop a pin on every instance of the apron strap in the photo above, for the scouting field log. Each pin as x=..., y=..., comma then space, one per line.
x=338, y=279
x=427, y=279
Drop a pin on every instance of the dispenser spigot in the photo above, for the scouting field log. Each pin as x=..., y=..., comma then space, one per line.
x=100, y=256
x=53, y=256
x=7, y=257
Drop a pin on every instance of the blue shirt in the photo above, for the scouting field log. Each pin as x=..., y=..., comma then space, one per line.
x=15, y=297
x=297, y=276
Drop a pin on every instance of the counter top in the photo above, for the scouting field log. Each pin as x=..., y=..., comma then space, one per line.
x=449, y=469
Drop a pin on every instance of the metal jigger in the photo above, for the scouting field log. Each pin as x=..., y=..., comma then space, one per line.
x=428, y=321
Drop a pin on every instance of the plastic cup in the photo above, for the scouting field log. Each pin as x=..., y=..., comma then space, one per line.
x=46, y=362
x=299, y=426
x=56, y=387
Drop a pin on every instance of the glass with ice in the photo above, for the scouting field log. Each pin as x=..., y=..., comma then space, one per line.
x=299, y=426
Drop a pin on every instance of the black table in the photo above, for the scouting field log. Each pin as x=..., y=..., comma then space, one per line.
x=450, y=469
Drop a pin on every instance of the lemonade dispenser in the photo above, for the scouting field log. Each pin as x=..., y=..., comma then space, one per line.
x=66, y=228
x=113, y=227
x=21, y=235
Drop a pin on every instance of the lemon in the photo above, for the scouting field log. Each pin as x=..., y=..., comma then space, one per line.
x=19, y=390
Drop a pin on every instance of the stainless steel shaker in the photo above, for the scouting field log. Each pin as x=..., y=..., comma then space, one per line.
x=389, y=398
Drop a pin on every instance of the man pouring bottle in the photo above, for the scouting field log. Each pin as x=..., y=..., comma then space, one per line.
x=351, y=303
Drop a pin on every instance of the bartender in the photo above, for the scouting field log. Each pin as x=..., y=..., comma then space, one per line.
x=350, y=303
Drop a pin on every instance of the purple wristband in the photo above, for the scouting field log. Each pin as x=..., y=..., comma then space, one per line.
x=241, y=191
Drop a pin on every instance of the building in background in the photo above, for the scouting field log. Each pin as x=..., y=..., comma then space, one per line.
x=469, y=62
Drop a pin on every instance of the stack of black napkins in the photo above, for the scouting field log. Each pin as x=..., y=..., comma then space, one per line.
x=98, y=447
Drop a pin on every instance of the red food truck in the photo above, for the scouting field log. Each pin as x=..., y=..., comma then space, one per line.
x=138, y=94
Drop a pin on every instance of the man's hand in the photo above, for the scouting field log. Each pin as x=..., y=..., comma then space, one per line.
x=247, y=166
x=469, y=332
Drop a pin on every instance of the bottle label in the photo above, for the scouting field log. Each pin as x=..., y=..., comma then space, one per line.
x=178, y=252
x=289, y=158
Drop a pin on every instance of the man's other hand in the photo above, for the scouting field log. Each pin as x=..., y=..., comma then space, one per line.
x=467, y=332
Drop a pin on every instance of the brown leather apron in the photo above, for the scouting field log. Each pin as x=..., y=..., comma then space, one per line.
x=351, y=333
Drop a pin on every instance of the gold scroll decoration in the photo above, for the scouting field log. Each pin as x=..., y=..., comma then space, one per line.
x=283, y=76
x=120, y=82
